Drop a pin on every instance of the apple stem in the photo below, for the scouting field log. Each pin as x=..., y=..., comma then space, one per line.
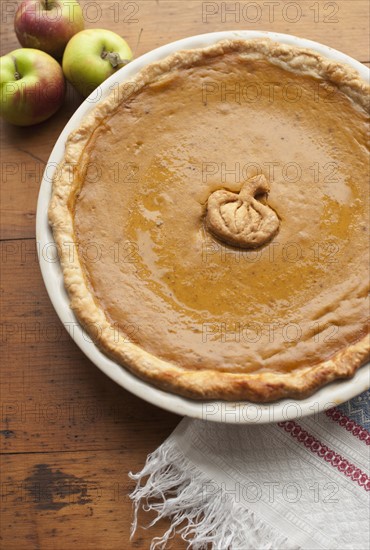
x=114, y=58
x=17, y=74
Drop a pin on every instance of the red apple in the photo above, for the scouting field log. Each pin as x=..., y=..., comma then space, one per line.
x=32, y=86
x=48, y=24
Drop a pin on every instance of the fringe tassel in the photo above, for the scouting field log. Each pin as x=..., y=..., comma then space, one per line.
x=213, y=520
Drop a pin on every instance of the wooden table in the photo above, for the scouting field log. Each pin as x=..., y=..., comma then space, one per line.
x=69, y=435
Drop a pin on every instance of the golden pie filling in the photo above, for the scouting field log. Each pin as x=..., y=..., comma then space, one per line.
x=221, y=218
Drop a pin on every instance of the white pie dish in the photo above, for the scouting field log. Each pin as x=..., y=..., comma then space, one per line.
x=238, y=412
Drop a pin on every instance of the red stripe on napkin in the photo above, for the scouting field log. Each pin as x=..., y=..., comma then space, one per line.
x=323, y=451
x=350, y=425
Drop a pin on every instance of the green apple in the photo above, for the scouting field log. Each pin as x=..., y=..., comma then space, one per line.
x=48, y=25
x=93, y=55
x=32, y=86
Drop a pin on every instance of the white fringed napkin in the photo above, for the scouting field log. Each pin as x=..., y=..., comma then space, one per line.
x=294, y=485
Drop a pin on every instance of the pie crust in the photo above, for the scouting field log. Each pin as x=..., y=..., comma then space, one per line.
x=260, y=385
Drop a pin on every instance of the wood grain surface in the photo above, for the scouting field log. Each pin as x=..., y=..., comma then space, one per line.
x=69, y=435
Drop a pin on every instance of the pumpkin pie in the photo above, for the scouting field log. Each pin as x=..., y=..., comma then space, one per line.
x=211, y=217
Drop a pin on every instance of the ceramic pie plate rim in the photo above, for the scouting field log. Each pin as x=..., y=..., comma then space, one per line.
x=219, y=411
